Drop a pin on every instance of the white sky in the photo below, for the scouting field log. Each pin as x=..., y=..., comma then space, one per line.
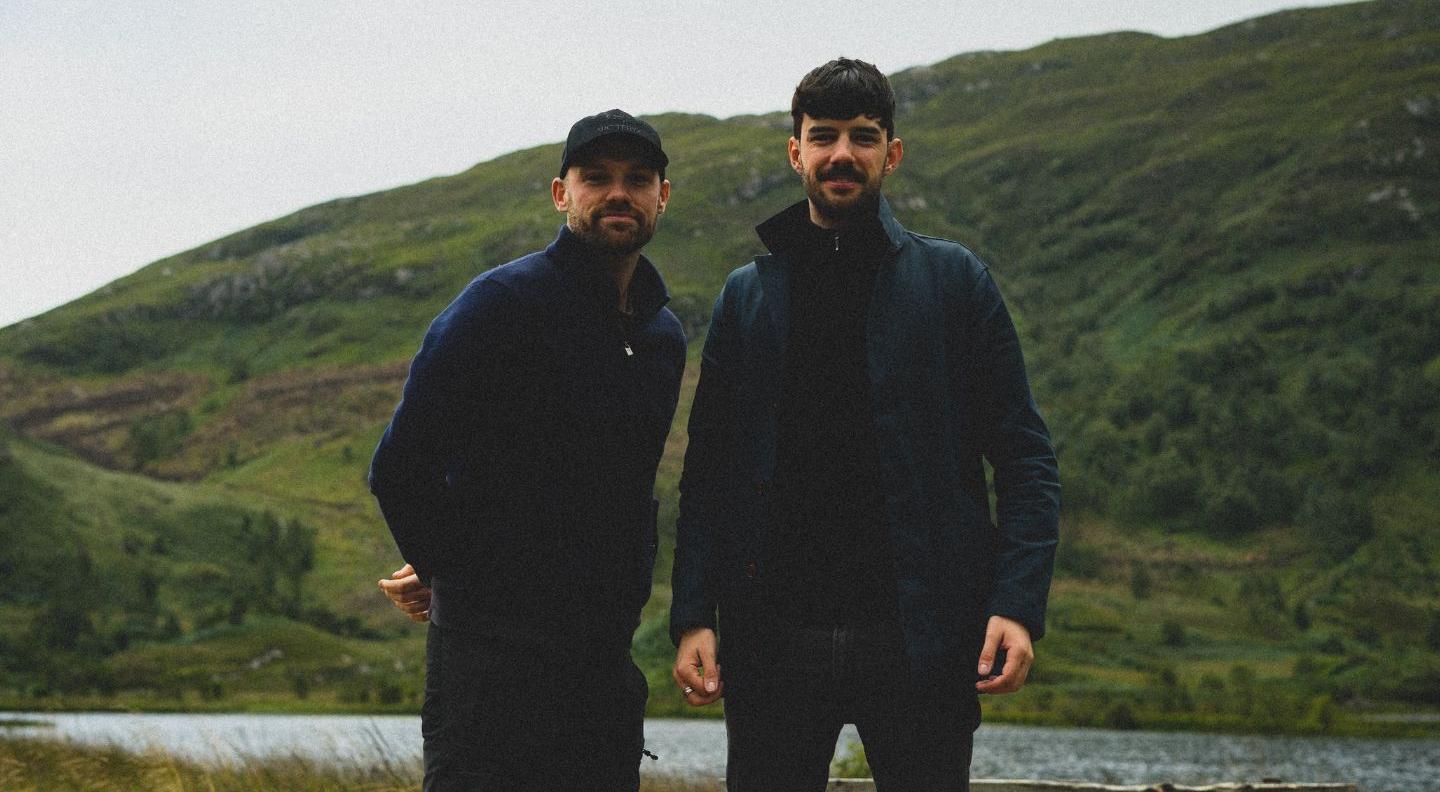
x=133, y=130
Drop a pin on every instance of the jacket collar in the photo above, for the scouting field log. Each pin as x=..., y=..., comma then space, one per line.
x=785, y=231
x=591, y=278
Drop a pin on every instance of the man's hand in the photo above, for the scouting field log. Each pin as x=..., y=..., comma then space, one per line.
x=1010, y=635
x=407, y=592
x=696, y=673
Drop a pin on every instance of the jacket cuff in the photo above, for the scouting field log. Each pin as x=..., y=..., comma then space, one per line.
x=1031, y=616
x=679, y=626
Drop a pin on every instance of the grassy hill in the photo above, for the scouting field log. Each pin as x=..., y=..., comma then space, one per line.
x=1221, y=251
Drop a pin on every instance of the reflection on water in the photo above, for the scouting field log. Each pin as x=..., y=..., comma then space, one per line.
x=694, y=748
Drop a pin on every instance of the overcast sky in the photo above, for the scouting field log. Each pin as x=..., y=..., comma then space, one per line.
x=133, y=130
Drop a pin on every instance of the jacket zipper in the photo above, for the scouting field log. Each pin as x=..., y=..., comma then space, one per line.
x=624, y=322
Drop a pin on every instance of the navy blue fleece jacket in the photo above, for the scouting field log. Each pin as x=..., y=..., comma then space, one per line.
x=517, y=472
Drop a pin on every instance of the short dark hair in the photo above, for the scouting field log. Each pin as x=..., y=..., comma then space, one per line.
x=843, y=89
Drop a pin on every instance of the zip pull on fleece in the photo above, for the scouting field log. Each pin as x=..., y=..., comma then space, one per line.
x=623, y=324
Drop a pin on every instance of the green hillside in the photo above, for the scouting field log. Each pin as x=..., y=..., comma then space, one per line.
x=1223, y=254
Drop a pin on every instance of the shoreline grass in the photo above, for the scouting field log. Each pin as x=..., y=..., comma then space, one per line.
x=36, y=765
x=1348, y=725
x=22, y=723
x=1344, y=723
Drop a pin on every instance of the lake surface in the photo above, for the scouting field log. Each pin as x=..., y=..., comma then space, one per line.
x=697, y=748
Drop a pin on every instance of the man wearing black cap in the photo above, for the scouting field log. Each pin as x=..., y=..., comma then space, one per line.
x=517, y=477
x=835, y=531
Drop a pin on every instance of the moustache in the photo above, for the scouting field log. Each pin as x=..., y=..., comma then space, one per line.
x=845, y=172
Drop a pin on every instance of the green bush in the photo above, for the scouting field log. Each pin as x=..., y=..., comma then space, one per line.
x=1075, y=558
x=158, y=436
x=1338, y=522
x=1120, y=715
x=1321, y=716
x=1163, y=487
x=389, y=693
x=1230, y=510
x=100, y=345
x=1141, y=584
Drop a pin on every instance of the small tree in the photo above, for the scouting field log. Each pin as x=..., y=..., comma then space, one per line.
x=300, y=683
x=1321, y=715
x=1140, y=581
x=1302, y=616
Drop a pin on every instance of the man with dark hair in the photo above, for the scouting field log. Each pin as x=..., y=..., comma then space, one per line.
x=517, y=478
x=835, y=526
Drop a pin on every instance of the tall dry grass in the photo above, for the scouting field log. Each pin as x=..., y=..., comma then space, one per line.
x=32, y=765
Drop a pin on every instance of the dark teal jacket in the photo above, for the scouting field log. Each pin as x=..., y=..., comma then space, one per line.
x=949, y=388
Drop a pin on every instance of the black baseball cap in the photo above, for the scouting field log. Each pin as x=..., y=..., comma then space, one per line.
x=612, y=122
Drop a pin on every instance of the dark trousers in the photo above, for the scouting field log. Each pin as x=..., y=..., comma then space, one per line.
x=505, y=718
x=788, y=692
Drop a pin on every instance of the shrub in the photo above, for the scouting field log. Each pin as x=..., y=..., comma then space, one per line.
x=1231, y=509
x=389, y=693
x=1121, y=715
x=1162, y=487
x=158, y=436
x=1321, y=716
x=300, y=683
x=1339, y=521
x=1140, y=581
x=1211, y=693
x=1262, y=598
x=1080, y=560
x=1169, y=693
x=108, y=345
x=211, y=690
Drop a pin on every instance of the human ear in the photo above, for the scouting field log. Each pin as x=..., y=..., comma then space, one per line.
x=558, y=195
x=894, y=152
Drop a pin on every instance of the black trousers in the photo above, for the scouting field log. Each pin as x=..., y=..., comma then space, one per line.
x=506, y=718
x=788, y=692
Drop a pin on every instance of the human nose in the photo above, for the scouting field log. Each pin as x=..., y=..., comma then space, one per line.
x=617, y=192
x=842, y=151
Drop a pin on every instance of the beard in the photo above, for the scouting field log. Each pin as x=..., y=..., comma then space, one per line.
x=611, y=241
x=862, y=203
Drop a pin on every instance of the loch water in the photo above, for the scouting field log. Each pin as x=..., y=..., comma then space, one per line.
x=695, y=748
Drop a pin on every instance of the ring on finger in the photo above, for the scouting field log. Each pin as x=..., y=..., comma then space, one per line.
x=689, y=690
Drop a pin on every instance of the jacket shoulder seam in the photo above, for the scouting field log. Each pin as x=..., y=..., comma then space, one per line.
x=966, y=248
